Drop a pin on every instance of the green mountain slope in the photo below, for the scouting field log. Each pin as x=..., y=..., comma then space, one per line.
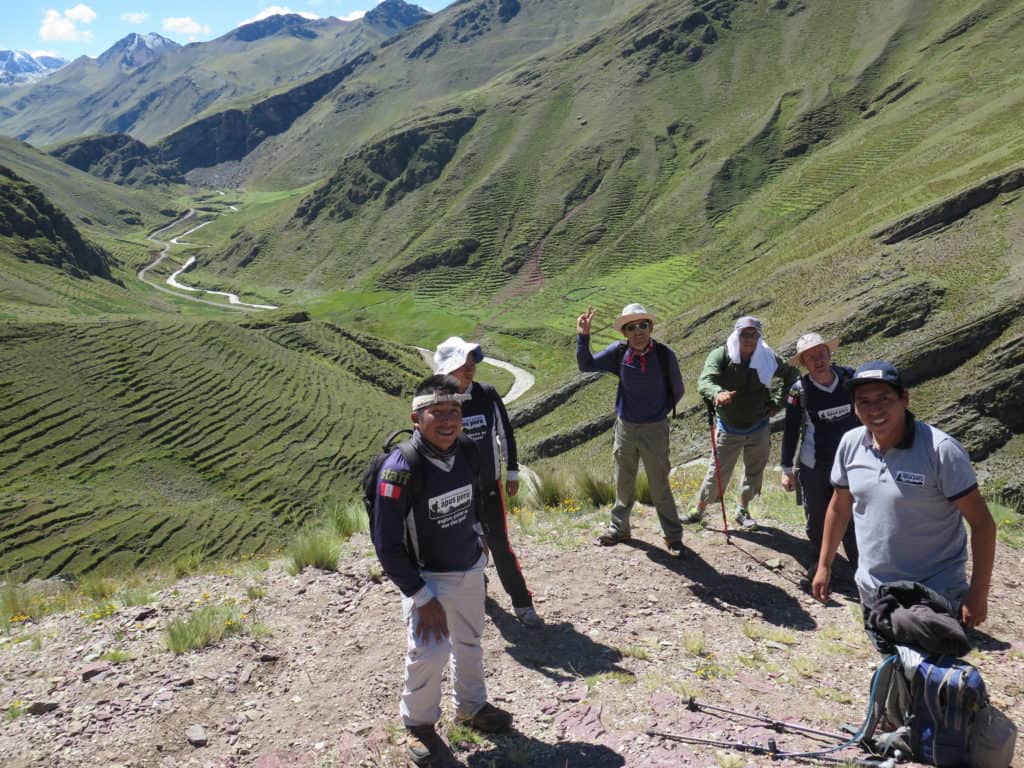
x=155, y=438
x=158, y=96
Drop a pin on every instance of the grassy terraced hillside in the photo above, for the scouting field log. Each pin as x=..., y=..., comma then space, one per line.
x=127, y=442
x=856, y=168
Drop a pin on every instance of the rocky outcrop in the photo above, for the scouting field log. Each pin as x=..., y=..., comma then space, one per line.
x=118, y=158
x=537, y=407
x=389, y=168
x=395, y=15
x=34, y=230
x=458, y=254
x=472, y=21
x=563, y=441
x=890, y=314
x=234, y=133
x=951, y=209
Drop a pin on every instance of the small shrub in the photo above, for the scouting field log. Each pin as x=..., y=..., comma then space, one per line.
x=598, y=492
x=204, y=626
x=805, y=666
x=15, y=710
x=347, y=519
x=376, y=573
x=624, y=678
x=317, y=547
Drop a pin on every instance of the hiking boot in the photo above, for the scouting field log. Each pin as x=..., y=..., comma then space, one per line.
x=423, y=746
x=528, y=616
x=675, y=548
x=744, y=520
x=611, y=537
x=489, y=719
x=695, y=515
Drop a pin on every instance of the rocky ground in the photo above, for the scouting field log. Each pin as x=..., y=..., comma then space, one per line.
x=631, y=634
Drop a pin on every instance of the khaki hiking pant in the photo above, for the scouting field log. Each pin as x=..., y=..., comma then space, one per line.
x=755, y=448
x=648, y=443
x=461, y=594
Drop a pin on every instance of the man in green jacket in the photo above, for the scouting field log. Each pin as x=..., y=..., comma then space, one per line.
x=737, y=381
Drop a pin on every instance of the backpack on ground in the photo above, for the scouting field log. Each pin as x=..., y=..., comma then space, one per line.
x=935, y=709
x=412, y=457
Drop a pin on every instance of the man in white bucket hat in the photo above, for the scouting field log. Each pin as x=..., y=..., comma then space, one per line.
x=650, y=385
x=819, y=411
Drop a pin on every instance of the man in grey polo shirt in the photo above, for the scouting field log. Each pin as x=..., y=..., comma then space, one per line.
x=908, y=487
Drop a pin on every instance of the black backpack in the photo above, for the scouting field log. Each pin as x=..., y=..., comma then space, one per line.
x=415, y=461
x=662, y=352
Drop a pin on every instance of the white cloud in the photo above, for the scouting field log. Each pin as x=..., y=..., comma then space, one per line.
x=81, y=13
x=135, y=18
x=64, y=26
x=37, y=54
x=354, y=16
x=186, y=25
x=276, y=10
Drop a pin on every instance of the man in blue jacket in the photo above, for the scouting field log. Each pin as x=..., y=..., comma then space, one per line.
x=427, y=535
x=650, y=385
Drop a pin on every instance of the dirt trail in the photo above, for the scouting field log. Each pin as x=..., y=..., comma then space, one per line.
x=631, y=634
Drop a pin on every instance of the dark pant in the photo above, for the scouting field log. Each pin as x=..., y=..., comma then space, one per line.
x=495, y=525
x=817, y=493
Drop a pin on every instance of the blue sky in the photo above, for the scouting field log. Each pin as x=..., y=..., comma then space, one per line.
x=70, y=28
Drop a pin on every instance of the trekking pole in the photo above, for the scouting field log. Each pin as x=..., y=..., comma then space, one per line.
x=777, y=725
x=773, y=752
x=718, y=469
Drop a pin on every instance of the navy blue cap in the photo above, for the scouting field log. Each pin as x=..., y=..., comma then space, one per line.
x=876, y=371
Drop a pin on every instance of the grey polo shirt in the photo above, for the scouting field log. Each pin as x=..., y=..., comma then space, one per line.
x=906, y=524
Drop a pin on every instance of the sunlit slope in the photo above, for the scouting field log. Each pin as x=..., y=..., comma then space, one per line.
x=588, y=173
x=131, y=442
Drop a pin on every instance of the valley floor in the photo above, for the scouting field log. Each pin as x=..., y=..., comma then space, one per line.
x=631, y=634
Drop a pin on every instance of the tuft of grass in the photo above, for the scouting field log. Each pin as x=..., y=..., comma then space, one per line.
x=376, y=573
x=695, y=643
x=1009, y=525
x=15, y=710
x=643, y=489
x=597, y=491
x=635, y=652
x=132, y=596
x=255, y=592
x=188, y=563
x=117, y=657
x=317, y=547
x=461, y=737
x=204, y=626
x=831, y=694
x=757, y=631
x=805, y=666
x=96, y=587
x=548, y=489
x=730, y=759
x=344, y=520
x=622, y=678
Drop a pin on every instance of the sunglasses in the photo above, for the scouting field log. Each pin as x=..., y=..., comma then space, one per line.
x=749, y=334
x=642, y=325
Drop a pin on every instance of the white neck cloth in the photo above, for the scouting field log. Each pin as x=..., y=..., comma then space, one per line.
x=763, y=360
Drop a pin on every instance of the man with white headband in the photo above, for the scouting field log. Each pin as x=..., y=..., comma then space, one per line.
x=428, y=539
x=737, y=382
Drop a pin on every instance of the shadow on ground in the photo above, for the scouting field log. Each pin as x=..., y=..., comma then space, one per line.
x=515, y=749
x=728, y=591
x=557, y=651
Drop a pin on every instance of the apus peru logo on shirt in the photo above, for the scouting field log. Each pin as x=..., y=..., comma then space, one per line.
x=451, y=508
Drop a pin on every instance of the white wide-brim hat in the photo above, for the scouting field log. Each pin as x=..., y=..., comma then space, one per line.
x=631, y=313
x=451, y=354
x=810, y=341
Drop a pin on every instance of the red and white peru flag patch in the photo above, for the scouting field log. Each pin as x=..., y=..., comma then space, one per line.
x=389, y=490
